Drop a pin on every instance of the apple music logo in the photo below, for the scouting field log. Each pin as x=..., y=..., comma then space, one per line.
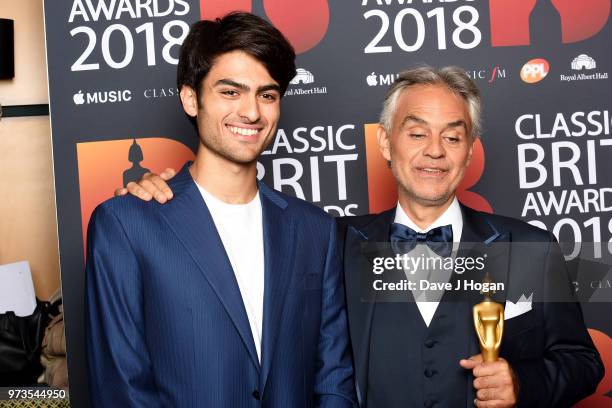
x=115, y=96
x=374, y=79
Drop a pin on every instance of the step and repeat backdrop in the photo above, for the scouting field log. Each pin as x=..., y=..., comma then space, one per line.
x=544, y=156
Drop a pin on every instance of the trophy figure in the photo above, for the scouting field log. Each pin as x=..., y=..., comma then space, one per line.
x=489, y=323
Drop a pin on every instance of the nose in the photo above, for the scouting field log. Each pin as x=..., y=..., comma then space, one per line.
x=434, y=148
x=249, y=108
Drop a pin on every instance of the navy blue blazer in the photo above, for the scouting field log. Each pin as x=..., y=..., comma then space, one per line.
x=548, y=347
x=166, y=325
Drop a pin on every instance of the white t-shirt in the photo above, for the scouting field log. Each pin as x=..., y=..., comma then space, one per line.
x=451, y=216
x=240, y=227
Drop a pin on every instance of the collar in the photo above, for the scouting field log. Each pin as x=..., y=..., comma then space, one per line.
x=213, y=201
x=452, y=215
x=184, y=184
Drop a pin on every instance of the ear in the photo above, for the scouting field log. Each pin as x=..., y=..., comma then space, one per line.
x=383, y=142
x=471, y=150
x=189, y=99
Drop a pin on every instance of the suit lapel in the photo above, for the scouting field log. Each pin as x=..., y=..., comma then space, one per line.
x=481, y=235
x=360, y=311
x=279, y=248
x=188, y=217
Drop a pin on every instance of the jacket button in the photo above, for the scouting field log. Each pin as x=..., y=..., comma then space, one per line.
x=429, y=373
x=430, y=343
x=256, y=395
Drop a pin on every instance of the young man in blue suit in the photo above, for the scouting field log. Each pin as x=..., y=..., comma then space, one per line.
x=231, y=294
x=426, y=353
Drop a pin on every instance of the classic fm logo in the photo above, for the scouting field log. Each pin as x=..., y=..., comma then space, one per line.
x=511, y=19
x=304, y=23
x=382, y=189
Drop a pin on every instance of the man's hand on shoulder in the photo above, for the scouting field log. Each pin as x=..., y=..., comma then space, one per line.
x=150, y=186
x=495, y=383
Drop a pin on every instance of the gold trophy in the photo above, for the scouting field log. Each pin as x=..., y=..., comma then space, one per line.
x=489, y=323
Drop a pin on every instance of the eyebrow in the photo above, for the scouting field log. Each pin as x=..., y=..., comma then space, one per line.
x=413, y=118
x=421, y=121
x=244, y=87
x=457, y=123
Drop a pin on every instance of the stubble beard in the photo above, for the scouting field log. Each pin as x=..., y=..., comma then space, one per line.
x=405, y=191
x=215, y=145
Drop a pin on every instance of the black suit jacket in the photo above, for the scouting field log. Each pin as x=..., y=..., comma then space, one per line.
x=548, y=347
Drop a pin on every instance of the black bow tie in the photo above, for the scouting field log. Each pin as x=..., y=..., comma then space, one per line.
x=439, y=239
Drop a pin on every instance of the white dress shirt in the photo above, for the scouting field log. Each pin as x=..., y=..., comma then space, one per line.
x=240, y=227
x=451, y=216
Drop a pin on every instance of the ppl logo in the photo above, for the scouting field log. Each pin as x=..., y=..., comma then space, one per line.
x=304, y=23
x=382, y=189
x=535, y=70
x=105, y=166
x=579, y=20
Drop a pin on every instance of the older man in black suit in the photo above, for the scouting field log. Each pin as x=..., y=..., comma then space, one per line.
x=425, y=353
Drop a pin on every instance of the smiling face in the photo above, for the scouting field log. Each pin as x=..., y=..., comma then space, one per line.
x=238, y=110
x=428, y=145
